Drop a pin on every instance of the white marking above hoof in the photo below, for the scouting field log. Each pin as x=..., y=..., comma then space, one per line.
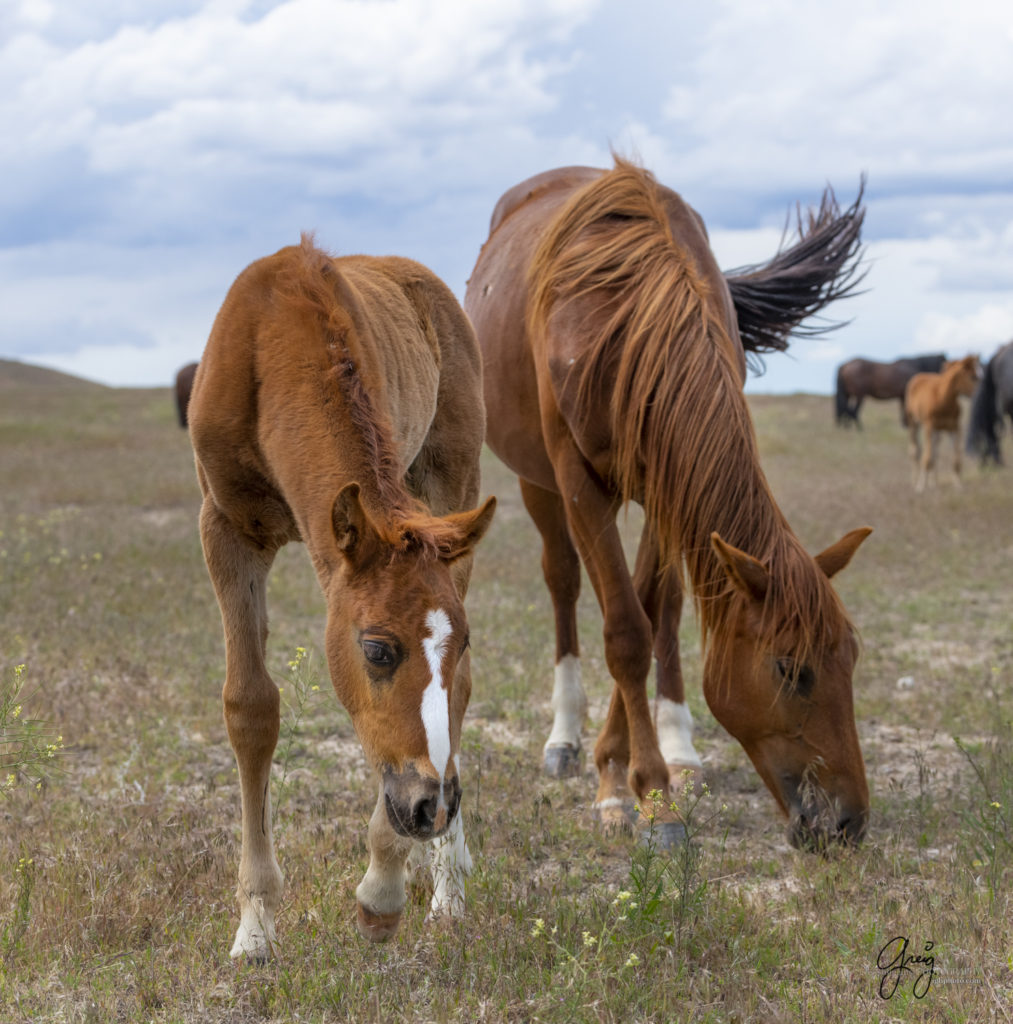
x=255, y=938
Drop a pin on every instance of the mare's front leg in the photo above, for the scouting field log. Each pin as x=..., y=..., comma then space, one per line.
x=660, y=594
x=238, y=570
x=955, y=437
x=561, y=569
x=591, y=512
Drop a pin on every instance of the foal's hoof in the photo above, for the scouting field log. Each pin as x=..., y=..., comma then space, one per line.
x=561, y=761
x=377, y=927
x=663, y=835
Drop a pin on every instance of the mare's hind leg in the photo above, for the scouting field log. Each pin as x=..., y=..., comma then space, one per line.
x=239, y=570
x=661, y=596
x=561, y=569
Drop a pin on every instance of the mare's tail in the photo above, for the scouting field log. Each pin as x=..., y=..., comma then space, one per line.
x=773, y=299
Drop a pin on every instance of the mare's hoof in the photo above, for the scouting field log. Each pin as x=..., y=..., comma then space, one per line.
x=684, y=778
x=615, y=814
x=561, y=761
x=377, y=927
x=663, y=835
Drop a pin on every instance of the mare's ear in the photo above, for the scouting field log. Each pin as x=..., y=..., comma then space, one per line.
x=837, y=556
x=470, y=527
x=749, y=575
x=352, y=528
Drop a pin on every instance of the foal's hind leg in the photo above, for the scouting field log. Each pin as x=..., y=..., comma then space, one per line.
x=661, y=596
x=239, y=570
x=561, y=568
x=915, y=452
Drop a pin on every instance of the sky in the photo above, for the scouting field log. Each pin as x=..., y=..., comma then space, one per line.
x=150, y=149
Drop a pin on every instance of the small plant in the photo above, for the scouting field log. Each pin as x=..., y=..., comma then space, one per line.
x=297, y=698
x=672, y=881
x=28, y=750
x=988, y=813
x=15, y=927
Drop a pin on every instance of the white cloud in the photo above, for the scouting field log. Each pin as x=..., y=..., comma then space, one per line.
x=152, y=147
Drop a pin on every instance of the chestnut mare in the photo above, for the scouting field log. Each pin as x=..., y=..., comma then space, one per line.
x=614, y=372
x=338, y=402
x=932, y=401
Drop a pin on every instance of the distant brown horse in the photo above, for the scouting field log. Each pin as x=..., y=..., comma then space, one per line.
x=858, y=379
x=614, y=372
x=184, y=386
x=932, y=401
x=338, y=402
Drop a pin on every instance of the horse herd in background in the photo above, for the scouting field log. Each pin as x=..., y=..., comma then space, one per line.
x=929, y=388
x=339, y=402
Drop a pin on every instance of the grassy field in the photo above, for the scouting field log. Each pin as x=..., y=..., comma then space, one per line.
x=117, y=870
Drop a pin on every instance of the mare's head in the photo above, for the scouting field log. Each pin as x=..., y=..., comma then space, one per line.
x=397, y=649
x=778, y=678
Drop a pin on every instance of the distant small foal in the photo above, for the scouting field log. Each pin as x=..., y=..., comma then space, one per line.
x=932, y=401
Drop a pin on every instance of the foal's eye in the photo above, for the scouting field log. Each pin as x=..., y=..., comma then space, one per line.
x=378, y=653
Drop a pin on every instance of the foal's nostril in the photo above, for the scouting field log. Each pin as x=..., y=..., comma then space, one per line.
x=424, y=814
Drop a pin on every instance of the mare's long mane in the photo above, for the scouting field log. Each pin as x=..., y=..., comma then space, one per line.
x=682, y=437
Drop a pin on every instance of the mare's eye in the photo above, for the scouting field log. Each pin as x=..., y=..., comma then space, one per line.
x=800, y=678
x=378, y=653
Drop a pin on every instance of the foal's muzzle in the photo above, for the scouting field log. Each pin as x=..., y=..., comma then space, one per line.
x=420, y=806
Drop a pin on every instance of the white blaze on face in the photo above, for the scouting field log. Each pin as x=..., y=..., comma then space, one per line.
x=435, y=708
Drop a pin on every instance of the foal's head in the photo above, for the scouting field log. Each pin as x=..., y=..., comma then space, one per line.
x=781, y=685
x=397, y=648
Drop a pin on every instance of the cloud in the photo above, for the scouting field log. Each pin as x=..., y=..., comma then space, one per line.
x=151, y=148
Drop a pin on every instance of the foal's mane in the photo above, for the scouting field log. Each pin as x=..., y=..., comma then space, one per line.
x=683, y=444
x=312, y=287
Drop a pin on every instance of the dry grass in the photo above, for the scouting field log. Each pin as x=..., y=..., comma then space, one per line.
x=116, y=878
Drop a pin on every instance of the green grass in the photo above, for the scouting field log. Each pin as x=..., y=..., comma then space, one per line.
x=117, y=875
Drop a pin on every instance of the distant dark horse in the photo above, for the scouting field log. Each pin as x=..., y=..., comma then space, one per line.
x=992, y=400
x=184, y=385
x=861, y=378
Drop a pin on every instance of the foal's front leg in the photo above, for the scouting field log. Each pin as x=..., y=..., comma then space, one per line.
x=381, y=893
x=239, y=570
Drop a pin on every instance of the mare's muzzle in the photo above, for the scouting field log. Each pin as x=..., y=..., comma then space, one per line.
x=420, y=806
x=817, y=821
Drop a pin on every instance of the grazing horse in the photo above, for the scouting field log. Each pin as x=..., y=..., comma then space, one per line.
x=932, y=401
x=858, y=379
x=184, y=386
x=338, y=402
x=992, y=401
x=614, y=372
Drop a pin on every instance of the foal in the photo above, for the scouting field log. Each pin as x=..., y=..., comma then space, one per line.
x=338, y=402
x=932, y=400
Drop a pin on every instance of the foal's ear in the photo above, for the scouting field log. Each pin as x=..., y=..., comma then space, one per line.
x=749, y=575
x=349, y=520
x=470, y=527
x=837, y=556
